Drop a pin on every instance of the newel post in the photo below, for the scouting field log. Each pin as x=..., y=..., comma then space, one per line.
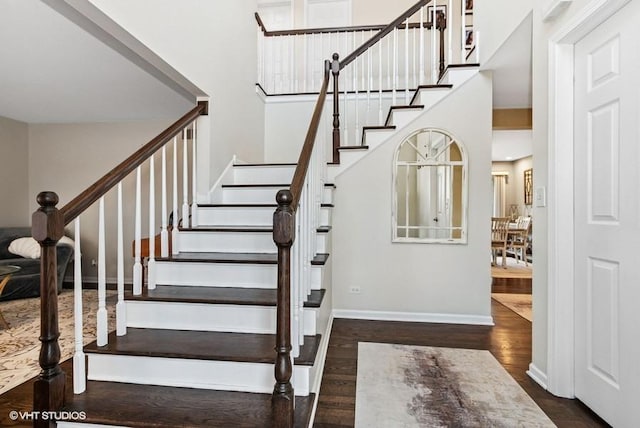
x=441, y=26
x=282, y=402
x=335, y=70
x=47, y=229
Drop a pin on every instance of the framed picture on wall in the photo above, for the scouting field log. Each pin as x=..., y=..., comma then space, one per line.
x=439, y=9
x=468, y=6
x=468, y=37
x=528, y=186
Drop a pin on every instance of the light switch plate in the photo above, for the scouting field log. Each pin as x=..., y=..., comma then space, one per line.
x=541, y=196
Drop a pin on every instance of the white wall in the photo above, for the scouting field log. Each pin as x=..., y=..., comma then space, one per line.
x=213, y=44
x=14, y=177
x=286, y=125
x=67, y=158
x=495, y=20
x=416, y=278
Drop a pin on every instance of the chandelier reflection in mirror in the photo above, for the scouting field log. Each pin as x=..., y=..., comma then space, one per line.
x=430, y=189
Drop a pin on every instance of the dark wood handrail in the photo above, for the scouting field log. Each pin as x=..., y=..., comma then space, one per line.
x=386, y=30
x=327, y=30
x=98, y=189
x=305, y=155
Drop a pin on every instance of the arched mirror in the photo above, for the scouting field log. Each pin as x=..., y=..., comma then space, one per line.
x=430, y=189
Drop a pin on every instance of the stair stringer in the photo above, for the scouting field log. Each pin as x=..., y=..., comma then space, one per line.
x=354, y=156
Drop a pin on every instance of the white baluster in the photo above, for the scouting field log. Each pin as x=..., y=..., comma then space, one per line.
x=356, y=103
x=185, y=180
x=463, y=20
x=164, y=234
x=389, y=59
x=194, y=176
x=151, y=262
x=450, y=32
x=272, y=42
x=102, y=327
x=260, y=55
x=175, y=212
x=121, y=309
x=345, y=116
x=79, y=367
x=406, y=61
x=380, y=82
x=414, y=46
x=421, y=54
x=305, y=60
x=369, y=81
x=137, y=265
x=395, y=66
x=434, y=65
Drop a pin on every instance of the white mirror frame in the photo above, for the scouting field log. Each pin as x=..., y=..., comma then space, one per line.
x=465, y=192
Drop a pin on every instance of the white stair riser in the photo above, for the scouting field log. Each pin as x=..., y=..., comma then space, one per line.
x=374, y=138
x=263, y=174
x=205, y=317
x=229, y=216
x=316, y=277
x=201, y=374
x=233, y=242
x=255, y=195
x=325, y=216
x=253, y=275
x=327, y=197
x=400, y=118
x=428, y=97
x=322, y=243
x=455, y=76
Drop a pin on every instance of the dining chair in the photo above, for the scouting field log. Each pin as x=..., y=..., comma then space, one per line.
x=519, y=239
x=499, y=235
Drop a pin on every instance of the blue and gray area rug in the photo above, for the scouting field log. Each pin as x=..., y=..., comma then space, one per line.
x=419, y=386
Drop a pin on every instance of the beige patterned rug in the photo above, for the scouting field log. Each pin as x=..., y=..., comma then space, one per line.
x=518, y=303
x=19, y=345
x=514, y=269
x=420, y=386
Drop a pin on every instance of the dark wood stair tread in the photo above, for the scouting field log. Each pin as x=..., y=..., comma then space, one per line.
x=407, y=107
x=219, y=295
x=217, y=257
x=378, y=128
x=241, y=186
x=263, y=164
x=112, y=403
x=353, y=148
x=201, y=345
x=228, y=205
x=234, y=228
x=320, y=259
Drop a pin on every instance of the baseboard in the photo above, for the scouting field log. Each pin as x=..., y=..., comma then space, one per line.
x=322, y=355
x=537, y=375
x=413, y=317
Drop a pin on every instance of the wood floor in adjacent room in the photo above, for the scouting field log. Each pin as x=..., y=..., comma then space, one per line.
x=509, y=341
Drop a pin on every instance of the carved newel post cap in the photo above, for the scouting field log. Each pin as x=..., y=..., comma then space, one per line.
x=284, y=197
x=335, y=56
x=47, y=223
x=47, y=199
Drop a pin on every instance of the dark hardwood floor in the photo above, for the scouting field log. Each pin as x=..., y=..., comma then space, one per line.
x=509, y=341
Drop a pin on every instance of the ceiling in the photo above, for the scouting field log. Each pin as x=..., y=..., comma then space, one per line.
x=53, y=71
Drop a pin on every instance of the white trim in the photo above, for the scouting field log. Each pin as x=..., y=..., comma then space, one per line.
x=537, y=375
x=321, y=358
x=413, y=317
x=554, y=9
x=560, y=278
x=226, y=175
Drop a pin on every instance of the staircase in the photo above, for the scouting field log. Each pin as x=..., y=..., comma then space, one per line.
x=200, y=345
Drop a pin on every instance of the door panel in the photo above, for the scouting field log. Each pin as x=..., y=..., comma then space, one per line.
x=607, y=220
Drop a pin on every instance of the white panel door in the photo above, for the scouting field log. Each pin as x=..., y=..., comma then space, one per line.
x=607, y=218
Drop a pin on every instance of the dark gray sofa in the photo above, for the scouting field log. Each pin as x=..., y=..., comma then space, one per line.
x=26, y=282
